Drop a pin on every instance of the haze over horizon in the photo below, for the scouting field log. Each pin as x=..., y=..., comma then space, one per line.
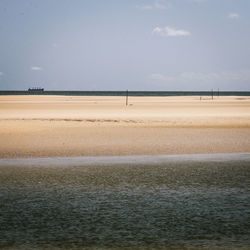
x=116, y=45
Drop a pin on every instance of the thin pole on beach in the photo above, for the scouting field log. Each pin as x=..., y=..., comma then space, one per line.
x=212, y=94
x=218, y=92
x=127, y=97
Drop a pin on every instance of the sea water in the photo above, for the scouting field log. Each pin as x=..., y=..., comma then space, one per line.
x=130, y=93
x=152, y=204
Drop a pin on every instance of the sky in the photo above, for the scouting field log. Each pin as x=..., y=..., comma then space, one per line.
x=162, y=45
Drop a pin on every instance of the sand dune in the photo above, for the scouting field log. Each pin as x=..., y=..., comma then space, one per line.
x=44, y=126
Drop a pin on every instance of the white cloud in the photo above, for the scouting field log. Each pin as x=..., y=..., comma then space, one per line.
x=157, y=30
x=233, y=15
x=36, y=68
x=212, y=77
x=158, y=4
x=1, y=73
x=168, y=31
x=161, y=5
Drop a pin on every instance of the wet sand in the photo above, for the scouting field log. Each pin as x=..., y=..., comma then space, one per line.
x=57, y=126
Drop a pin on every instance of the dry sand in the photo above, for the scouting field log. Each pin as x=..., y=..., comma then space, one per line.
x=48, y=126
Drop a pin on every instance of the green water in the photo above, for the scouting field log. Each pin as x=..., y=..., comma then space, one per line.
x=167, y=205
x=131, y=93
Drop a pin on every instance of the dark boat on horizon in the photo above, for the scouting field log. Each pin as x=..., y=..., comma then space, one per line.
x=36, y=89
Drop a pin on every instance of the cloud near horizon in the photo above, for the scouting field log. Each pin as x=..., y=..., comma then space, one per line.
x=228, y=76
x=168, y=31
x=1, y=73
x=233, y=15
x=36, y=68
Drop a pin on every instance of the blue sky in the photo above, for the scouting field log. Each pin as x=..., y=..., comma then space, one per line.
x=118, y=44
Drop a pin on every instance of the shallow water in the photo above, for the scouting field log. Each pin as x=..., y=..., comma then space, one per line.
x=161, y=205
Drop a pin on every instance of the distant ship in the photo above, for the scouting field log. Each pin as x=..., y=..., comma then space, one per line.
x=35, y=89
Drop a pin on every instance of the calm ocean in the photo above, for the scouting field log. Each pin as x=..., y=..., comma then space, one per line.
x=131, y=93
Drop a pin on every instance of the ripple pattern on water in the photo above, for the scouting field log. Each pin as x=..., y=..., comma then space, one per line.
x=188, y=204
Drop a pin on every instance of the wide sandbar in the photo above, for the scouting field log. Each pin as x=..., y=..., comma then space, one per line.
x=55, y=126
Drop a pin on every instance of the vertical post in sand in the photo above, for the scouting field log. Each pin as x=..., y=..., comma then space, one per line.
x=127, y=98
x=218, y=92
x=212, y=94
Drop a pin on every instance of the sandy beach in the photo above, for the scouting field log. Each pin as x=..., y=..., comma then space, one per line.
x=48, y=126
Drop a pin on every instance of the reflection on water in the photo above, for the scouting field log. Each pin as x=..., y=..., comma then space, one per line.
x=165, y=205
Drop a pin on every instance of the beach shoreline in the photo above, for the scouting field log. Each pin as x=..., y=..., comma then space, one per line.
x=120, y=160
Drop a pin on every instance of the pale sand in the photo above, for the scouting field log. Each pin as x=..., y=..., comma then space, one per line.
x=48, y=126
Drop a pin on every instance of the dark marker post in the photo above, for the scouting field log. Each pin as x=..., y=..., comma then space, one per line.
x=212, y=94
x=127, y=98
